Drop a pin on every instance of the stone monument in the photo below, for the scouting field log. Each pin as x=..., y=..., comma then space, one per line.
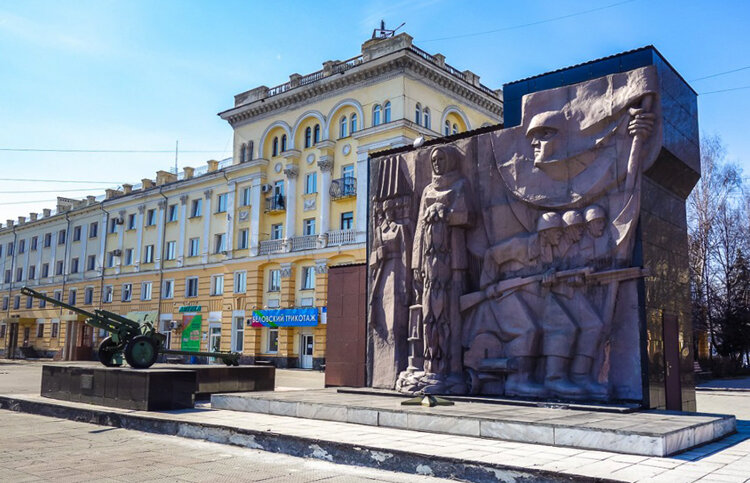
x=510, y=262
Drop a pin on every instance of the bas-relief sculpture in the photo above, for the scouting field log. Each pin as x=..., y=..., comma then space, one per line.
x=503, y=263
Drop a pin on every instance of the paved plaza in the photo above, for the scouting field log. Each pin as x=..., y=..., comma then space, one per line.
x=727, y=460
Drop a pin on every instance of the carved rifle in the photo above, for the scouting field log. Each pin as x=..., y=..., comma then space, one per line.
x=470, y=300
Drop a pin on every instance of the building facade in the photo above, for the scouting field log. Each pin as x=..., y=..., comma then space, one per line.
x=214, y=255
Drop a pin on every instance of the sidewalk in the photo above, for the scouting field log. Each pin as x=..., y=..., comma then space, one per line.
x=447, y=456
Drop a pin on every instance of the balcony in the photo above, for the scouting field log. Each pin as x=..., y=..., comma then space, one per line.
x=342, y=237
x=268, y=247
x=343, y=188
x=307, y=242
x=275, y=204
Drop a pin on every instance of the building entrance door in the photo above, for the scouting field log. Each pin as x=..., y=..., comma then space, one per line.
x=26, y=336
x=214, y=341
x=306, y=354
x=12, y=340
x=672, y=361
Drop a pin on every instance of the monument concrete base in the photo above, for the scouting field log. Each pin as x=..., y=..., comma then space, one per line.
x=161, y=387
x=648, y=433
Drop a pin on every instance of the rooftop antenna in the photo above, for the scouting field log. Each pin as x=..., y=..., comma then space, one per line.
x=384, y=33
x=176, y=154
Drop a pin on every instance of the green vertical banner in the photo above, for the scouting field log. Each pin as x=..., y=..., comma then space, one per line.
x=191, y=332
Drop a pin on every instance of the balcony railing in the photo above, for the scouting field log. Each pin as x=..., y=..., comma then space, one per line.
x=342, y=237
x=343, y=188
x=275, y=203
x=307, y=242
x=268, y=247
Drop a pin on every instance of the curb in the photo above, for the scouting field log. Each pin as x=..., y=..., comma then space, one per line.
x=340, y=453
x=723, y=389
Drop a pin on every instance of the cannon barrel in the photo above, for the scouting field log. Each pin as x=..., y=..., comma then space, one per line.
x=33, y=293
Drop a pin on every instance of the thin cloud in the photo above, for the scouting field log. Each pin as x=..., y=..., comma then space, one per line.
x=47, y=35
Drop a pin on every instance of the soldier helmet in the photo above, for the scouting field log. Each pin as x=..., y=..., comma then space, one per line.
x=572, y=217
x=548, y=221
x=594, y=212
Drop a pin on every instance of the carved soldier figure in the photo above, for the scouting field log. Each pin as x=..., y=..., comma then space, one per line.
x=440, y=262
x=389, y=304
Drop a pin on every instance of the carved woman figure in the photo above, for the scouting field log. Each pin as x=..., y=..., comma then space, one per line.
x=389, y=306
x=440, y=262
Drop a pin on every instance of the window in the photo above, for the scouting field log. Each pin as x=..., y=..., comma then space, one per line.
x=113, y=225
x=273, y=340
x=220, y=243
x=308, y=136
x=309, y=225
x=110, y=259
x=127, y=292
x=91, y=264
x=347, y=171
x=32, y=272
x=447, y=128
x=249, y=156
x=107, y=294
x=5, y=305
x=277, y=231
x=128, y=256
x=146, y=288
x=34, y=243
x=418, y=114
x=245, y=198
x=7, y=276
x=131, y=221
x=72, y=296
x=19, y=274
x=167, y=291
x=221, y=203
x=171, y=250
x=194, y=247
x=217, y=285
x=47, y=241
x=387, y=112
x=342, y=127
x=191, y=287
x=29, y=302
x=311, y=183
x=238, y=333
x=353, y=123
x=455, y=129
x=308, y=278
x=40, y=329
x=55, y=329
x=275, y=149
x=59, y=268
x=10, y=249
x=283, y=143
x=57, y=295
x=149, y=254
x=45, y=270
x=243, y=151
x=426, y=115
x=347, y=220
x=93, y=229
x=76, y=233
x=88, y=296
x=243, y=239
x=274, y=280
x=21, y=246
x=172, y=213
x=17, y=302
x=151, y=217
x=240, y=282
x=376, y=114
x=2, y=329
x=74, y=265
x=196, y=208
x=316, y=134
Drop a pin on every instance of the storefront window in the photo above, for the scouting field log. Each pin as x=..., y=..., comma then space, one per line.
x=273, y=340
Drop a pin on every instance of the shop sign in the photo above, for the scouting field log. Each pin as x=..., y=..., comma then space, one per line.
x=307, y=317
x=191, y=332
x=190, y=308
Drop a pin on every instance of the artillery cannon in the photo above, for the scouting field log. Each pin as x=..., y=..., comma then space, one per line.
x=140, y=343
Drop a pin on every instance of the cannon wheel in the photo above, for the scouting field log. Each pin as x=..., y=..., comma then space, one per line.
x=141, y=352
x=107, y=351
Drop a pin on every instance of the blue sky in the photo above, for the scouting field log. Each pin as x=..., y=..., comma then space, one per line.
x=138, y=75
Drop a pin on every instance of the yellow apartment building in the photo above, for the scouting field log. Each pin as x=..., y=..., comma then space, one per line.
x=211, y=255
